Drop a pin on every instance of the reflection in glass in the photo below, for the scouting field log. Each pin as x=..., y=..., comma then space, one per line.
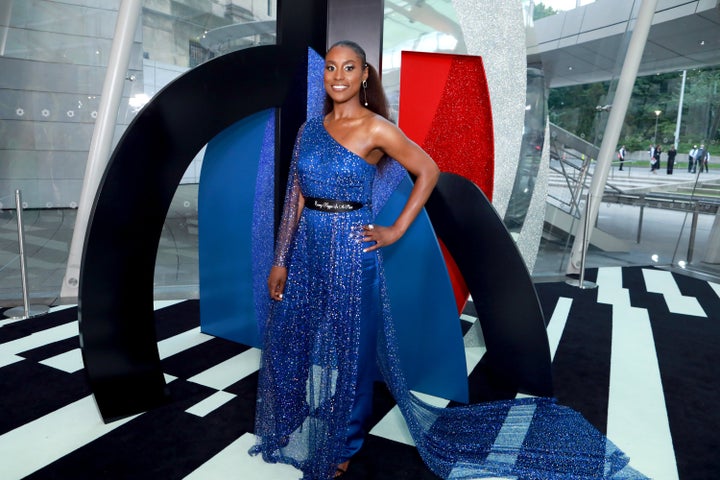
x=530, y=151
x=428, y=26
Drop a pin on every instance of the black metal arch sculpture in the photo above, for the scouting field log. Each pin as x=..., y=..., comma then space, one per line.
x=115, y=300
x=518, y=354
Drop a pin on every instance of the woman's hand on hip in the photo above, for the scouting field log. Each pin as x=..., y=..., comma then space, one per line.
x=382, y=236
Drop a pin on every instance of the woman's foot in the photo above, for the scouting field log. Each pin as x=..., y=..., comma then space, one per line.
x=342, y=469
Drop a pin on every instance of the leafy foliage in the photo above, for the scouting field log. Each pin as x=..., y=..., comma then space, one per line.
x=574, y=109
x=542, y=11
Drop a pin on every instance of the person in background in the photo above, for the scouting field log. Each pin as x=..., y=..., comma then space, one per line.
x=621, y=156
x=655, y=158
x=691, y=159
x=671, y=159
x=701, y=158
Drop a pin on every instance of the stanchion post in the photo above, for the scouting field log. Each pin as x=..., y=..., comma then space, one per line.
x=693, y=231
x=640, y=223
x=582, y=283
x=26, y=310
x=21, y=250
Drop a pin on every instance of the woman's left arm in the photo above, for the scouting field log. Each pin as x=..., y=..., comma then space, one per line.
x=394, y=143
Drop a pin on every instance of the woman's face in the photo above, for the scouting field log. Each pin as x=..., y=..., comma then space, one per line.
x=344, y=74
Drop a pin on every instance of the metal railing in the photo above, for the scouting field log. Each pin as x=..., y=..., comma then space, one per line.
x=572, y=159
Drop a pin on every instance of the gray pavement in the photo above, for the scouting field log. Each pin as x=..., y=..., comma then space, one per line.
x=657, y=237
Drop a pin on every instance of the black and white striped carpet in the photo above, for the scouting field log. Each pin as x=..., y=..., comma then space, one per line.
x=638, y=357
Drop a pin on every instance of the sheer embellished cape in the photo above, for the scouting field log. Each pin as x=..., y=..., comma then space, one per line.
x=310, y=355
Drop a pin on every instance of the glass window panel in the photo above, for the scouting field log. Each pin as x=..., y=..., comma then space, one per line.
x=53, y=56
x=657, y=216
x=429, y=26
x=56, y=47
x=60, y=17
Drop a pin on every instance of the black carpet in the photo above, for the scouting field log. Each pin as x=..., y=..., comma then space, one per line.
x=688, y=351
x=167, y=443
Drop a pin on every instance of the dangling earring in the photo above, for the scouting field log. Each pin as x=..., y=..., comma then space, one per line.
x=364, y=85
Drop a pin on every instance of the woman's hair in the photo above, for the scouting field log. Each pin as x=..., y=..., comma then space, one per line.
x=375, y=94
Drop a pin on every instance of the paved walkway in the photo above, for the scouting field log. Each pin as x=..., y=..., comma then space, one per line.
x=662, y=238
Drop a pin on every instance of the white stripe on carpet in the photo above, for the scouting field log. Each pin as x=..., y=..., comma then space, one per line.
x=715, y=287
x=660, y=281
x=230, y=371
x=69, y=362
x=234, y=462
x=637, y=417
x=181, y=342
x=10, y=350
x=210, y=404
x=36, y=444
x=557, y=323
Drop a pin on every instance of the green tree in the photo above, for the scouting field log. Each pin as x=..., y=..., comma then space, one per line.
x=702, y=98
x=652, y=93
x=574, y=109
x=541, y=11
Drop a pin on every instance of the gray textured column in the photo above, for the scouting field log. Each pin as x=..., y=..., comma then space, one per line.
x=487, y=25
x=628, y=75
x=101, y=142
x=678, y=122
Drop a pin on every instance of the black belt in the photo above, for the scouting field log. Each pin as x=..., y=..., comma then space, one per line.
x=332, y=206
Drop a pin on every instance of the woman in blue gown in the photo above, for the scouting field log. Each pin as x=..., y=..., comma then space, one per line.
x=330, y=330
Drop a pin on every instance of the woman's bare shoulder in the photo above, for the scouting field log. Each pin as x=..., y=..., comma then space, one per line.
x=382, y=127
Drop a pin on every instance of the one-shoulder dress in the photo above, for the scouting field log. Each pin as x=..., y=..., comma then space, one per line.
x=335, y=315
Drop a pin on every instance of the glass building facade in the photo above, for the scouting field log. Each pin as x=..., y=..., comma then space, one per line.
x=54, y=56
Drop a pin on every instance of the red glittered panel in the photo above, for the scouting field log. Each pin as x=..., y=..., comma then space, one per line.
x=422, y=84
x=445, y=108
x=460, y=138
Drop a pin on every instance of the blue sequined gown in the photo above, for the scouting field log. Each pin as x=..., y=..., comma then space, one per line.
x=309, y=368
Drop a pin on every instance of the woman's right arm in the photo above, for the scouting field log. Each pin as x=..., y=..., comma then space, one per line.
x=288, y=227
x=292, y=208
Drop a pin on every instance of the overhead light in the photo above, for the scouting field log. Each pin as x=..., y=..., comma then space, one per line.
x=139, y=100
